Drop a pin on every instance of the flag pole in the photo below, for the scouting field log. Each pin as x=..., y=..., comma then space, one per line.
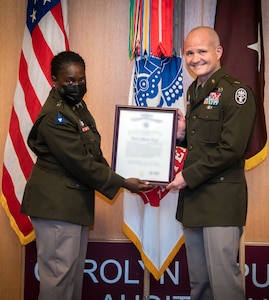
x=146, y=292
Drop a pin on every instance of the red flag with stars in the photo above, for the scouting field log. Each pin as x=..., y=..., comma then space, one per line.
x=239, y=25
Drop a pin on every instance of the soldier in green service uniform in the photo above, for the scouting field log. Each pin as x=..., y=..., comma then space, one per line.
x=213, y=192
x=59, y=195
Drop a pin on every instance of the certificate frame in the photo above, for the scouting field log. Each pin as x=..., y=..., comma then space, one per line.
x=144, y=143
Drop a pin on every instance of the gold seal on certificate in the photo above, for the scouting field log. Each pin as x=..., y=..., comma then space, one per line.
x=144, y=143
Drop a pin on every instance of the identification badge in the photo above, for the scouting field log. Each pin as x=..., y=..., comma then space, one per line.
x=86, y=128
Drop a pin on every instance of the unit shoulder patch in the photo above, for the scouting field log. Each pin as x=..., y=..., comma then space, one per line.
x=60, y=119
x=241, y=96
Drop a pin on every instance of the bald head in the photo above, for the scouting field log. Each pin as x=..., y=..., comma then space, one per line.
x=207, y=33
x=203, y=52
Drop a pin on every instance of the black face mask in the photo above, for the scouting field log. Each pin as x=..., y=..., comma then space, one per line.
x=73, y=93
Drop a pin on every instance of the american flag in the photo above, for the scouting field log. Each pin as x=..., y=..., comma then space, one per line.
x=45, y=34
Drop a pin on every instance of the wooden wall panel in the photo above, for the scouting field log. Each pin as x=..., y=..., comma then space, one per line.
x=99, y=32
x=12, y=20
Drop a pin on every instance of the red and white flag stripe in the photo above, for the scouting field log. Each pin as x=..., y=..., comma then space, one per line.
x=45, y=34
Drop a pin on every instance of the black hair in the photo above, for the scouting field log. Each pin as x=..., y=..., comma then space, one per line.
x=63, y=58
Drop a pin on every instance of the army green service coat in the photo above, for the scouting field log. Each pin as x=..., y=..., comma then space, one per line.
x=219, y=124
x=70, y=165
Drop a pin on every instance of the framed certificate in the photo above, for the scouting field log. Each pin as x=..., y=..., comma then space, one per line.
x=144, y=143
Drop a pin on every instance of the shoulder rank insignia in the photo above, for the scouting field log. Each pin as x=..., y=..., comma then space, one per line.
x=60, y=119
x=241, y=96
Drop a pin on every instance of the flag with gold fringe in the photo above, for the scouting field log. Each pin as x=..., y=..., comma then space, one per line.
x=45, y=35
x=239, y=25
x=149, y=217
